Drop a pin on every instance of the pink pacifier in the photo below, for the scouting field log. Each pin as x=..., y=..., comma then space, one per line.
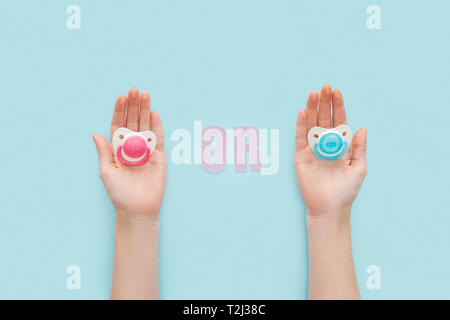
x=133, y=148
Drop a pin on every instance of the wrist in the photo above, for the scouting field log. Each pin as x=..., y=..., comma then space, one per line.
x=331, y=228
x=136, y=216
x=336, y=217
x=127, y=220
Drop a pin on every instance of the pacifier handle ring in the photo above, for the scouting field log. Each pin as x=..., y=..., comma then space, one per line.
x=316, y=136
x=134, y=154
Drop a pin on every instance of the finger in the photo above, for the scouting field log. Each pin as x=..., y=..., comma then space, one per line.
x=311, y=110
x=144, y=114
x=339, y=116
x=120, y=109
x=324, y=112
x=133, y=109
x=105, y=153
x=301, y=131
x=359, y=149
x=158, y=130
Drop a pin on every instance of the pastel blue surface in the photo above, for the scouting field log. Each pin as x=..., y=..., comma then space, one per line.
x=227, y=63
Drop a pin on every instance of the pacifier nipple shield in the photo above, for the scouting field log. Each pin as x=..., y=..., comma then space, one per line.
x=133, y=148
x=330, y=144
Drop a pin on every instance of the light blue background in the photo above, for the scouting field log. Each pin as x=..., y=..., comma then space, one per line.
x=226, y=63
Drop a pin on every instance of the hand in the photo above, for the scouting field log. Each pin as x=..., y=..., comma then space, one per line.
x=328, y=187
x=134, y=191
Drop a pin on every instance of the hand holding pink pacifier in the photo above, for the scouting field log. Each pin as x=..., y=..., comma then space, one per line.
x=133, y=165
x=133, y=148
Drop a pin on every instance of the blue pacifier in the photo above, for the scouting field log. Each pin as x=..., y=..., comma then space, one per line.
x=330, y=144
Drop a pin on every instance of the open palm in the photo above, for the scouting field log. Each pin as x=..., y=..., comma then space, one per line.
x=134, y=190
x=327, y=185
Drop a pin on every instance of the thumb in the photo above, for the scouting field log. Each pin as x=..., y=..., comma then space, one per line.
x=105, y=153
x=359, y=148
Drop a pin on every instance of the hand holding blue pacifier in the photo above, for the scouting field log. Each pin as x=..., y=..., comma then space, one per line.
x=330, y=144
